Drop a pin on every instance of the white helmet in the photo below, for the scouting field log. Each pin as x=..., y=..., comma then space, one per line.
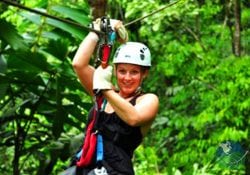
x=133, y=53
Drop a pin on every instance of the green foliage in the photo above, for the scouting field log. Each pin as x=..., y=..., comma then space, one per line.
x=145, y=161
x=43, y=108
x=10, y=36
x=203, y=88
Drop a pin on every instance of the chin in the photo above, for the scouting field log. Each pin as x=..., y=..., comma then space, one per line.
x=127, y=91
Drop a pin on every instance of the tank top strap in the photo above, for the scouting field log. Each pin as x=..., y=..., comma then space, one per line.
x=133, y=100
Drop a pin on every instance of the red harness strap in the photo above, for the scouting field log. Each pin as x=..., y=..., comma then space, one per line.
x=90, y=141
x=89, y=145
x=106, y=50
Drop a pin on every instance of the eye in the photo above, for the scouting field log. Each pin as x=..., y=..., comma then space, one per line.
x=122, y=71
x=134, y=72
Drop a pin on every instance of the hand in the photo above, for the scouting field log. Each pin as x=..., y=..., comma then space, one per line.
x=116, y=25
x=97, y=24
x=119, y=28
x=102, y=78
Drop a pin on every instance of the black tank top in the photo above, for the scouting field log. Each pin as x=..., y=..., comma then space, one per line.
x=119, y=140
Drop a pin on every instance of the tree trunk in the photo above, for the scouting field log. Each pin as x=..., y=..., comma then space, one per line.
x=98, y=8
x=17, y=150
x=237, y=39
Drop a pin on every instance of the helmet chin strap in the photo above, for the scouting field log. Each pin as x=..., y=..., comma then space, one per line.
x=138, y=90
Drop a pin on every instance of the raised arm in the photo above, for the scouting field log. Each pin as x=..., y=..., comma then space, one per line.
x=81, y=60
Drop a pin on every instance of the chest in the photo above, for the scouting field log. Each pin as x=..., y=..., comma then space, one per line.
x=108, y=108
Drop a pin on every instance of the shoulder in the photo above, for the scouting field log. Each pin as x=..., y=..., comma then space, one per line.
x=148, y=106
x=148, y=97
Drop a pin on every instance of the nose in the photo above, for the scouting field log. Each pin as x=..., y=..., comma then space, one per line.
x=127, y=76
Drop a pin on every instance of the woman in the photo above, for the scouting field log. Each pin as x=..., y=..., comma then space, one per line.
x=128, y=113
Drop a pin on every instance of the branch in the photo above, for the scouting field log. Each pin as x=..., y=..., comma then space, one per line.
x=195, y=37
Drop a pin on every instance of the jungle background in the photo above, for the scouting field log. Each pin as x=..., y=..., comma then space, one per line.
x=201, y=73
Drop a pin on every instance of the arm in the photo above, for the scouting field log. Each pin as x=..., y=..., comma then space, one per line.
x=141, y=114
x=81, y=61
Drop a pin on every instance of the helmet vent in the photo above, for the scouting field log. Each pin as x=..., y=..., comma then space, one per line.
x=142, y=57
x=142, y=53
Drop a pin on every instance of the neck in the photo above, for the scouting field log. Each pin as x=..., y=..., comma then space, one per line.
x=138, y=91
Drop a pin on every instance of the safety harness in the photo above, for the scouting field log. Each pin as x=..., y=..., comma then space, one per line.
x=93, y=142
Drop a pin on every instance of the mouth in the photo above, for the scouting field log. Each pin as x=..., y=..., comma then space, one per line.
x=127, y=85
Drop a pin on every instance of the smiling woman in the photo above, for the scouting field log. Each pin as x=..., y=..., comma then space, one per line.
x=128, y=113
x=129, y=79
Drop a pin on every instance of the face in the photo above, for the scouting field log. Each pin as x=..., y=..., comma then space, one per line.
x=129, y=78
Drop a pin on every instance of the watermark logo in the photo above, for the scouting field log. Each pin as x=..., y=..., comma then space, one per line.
x=231, y=155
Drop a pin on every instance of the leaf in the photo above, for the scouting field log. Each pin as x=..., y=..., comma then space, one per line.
x=71, y=83
x=51, y=35
x=28, y=61
x=36, y=19
x=46, y=109
x=3, y=79
x=9, y=34
x=56, y=145
x=74, y=14
x=11, y=111
x=74, y=31
x=58, y=48
x=3, y=89
x=3, y=65
x=25, y=77
x=76, y=113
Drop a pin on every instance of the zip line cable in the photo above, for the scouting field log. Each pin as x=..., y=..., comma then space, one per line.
x=15, y=4
x=49, y=16
x=152, y=13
